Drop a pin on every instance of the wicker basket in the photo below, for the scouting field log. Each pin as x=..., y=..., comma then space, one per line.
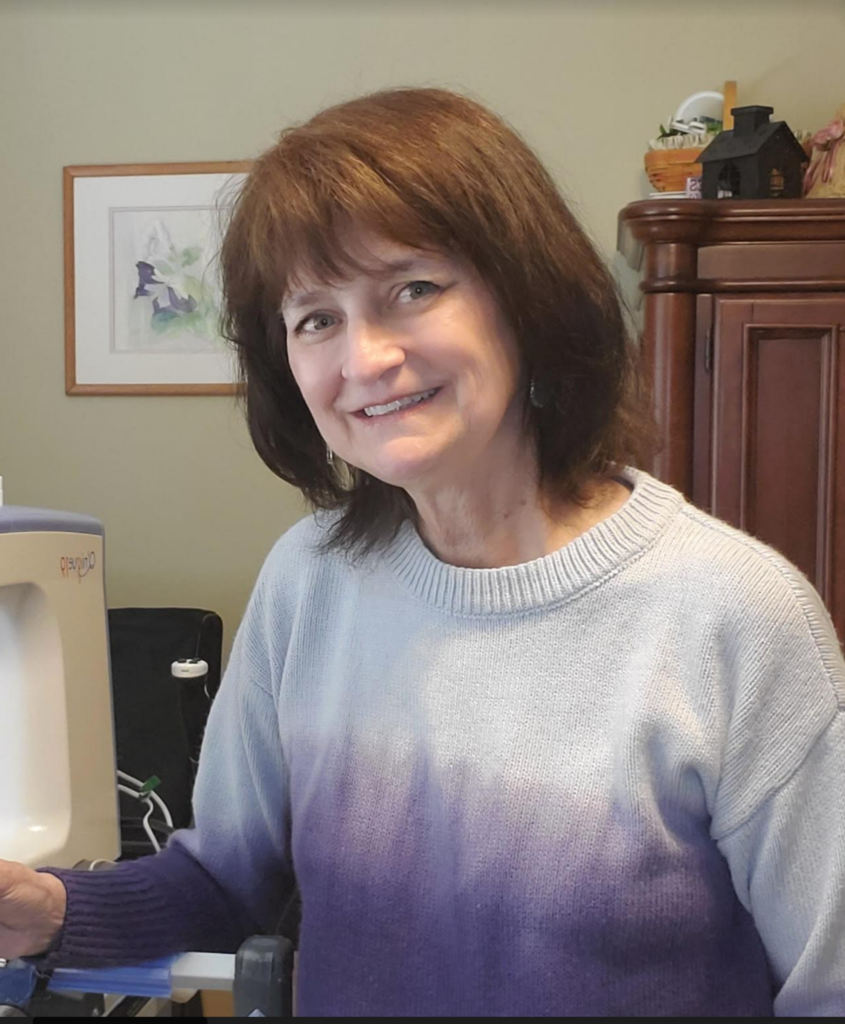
x=668, y=169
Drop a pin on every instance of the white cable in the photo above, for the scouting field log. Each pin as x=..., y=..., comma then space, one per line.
x=93, y=865
x=130, y=778
x=163, y=807
x=146, y=822
x=153, y=795
x=148, y=829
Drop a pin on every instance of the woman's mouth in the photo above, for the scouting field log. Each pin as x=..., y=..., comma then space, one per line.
x=401, y=407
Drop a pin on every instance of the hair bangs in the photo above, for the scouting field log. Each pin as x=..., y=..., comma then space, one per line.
x=303, y=222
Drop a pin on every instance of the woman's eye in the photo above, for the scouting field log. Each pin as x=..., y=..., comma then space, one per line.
x=317, y=323
x=321, y=321
x=419, y=289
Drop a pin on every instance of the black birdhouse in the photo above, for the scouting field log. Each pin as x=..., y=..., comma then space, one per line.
x=758, y=159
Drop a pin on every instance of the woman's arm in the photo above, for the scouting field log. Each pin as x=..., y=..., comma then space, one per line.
x=788, y=867
x=145, y=909
x=780, y=811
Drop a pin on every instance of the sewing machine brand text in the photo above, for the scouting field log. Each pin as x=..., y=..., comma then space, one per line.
x=78, y=565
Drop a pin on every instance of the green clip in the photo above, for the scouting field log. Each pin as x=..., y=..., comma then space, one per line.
x=153, y=782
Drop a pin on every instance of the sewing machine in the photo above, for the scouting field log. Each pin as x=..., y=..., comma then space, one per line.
x=58, y=797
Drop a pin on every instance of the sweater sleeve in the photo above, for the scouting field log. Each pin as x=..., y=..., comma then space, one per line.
x=788, y=867
x=144, y=909
x=780, y=817
x=223, y=879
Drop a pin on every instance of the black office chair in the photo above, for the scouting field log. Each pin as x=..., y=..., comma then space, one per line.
x=160, y=720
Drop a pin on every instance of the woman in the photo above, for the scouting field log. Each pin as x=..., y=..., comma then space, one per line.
x=532, y=735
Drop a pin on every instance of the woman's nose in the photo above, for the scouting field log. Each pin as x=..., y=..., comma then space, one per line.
x=371, y=350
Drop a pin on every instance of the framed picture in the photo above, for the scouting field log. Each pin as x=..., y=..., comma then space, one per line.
x=142, y=289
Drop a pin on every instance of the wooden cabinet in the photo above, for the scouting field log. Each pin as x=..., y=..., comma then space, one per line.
x=744, y=340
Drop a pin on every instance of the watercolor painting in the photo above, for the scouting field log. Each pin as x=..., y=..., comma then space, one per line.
x=143, y=296
x=165, y=287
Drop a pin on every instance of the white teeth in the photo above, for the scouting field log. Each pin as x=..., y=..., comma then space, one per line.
x=382, y=410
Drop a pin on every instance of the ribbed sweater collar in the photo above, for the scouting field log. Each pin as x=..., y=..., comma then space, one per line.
x=557, y=577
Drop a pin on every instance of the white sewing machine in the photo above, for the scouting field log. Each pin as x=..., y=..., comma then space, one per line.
x=58, y=798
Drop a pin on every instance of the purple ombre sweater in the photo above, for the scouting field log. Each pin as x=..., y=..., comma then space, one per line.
x=605, y=782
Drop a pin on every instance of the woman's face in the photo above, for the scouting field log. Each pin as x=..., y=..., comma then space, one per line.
x=409, y=369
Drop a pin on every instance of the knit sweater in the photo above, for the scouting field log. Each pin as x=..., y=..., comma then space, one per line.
x=605, y=782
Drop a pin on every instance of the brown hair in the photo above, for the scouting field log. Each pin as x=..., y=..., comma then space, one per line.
x=429, y=169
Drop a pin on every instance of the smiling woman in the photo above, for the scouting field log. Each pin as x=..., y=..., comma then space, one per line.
x=530, y=734
x=412, y=242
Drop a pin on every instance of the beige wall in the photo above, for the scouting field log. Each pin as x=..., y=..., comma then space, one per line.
x=189, y=509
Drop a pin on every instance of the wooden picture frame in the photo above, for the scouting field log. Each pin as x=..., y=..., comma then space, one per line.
x=140, y=278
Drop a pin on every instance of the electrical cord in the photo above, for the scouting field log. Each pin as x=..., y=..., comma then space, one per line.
x=146, y=820
x=145, y=799
x=205, y=618
x=152, y=795
x=158, y=826
x=150, y=834
x=96, y=863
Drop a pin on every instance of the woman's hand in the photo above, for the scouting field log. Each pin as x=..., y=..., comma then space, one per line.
x=32, y=910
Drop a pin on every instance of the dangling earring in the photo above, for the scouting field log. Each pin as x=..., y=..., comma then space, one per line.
x=533, y=397
x=329, y=456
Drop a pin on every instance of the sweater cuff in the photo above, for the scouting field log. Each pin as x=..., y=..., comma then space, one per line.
x=144, y=909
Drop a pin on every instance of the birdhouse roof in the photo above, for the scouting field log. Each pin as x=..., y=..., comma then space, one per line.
x=730, y=146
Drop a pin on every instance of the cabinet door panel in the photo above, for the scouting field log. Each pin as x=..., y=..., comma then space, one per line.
x=777, y=430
